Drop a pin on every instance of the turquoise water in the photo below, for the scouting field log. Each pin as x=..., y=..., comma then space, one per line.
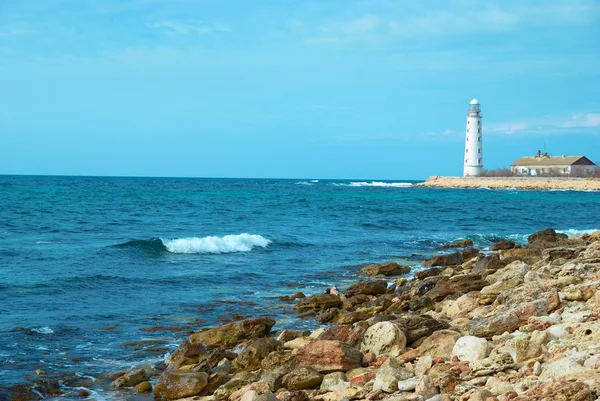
x=89, y=264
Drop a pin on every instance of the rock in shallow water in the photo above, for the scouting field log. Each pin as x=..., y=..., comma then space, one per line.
x=385, y=269
x=232, y=333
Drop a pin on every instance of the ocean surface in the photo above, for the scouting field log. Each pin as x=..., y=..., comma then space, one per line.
x=102, y=274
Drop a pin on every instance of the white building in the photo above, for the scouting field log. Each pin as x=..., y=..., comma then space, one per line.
x=542, y=164
x=473, y=152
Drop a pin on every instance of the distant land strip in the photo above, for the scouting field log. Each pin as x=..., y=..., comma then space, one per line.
x=542, y=183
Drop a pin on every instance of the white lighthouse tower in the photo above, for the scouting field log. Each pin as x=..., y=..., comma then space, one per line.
x=473, y=153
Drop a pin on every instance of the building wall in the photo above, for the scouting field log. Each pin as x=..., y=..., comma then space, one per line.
x=553, y=171
x=473, y=145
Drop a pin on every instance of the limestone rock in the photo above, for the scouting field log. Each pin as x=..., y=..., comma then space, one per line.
x=377, y=287
x=450, y=259
x=143, y=387
x=494, y=324
x=418, y=326
x=335, y=382
x=545, y=236
x=530, y=346
x=132, y=378
x=318, y=302
x=278, y=360
x=470, y=348
x=389, y=374
x=558, y=391
x=461, y=284
x=254, y=352
x=426, y=388
x=327, y=356
x=302, y=378
x=384, y=338
x=502, y=245
x=177, y=384
x=439, y=344
x=565, y=368
x=186, y=354
x=297, y=343
x=232, y=333
x=457, y=244
x=424, y=363
x=349, y=334
x=385, y=269
x=497, y=363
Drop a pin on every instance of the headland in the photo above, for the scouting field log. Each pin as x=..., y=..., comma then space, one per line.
x=526, y=183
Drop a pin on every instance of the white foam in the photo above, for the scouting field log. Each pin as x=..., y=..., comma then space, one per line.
x=305, y=183
x=229, y=243
x=43, y=330
x=571, y=231
x=378, y=184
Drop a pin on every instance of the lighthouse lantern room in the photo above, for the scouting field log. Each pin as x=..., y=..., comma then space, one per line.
x=473, y=143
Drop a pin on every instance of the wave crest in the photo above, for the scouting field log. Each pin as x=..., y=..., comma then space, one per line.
x=212, y=244
x=380, y=184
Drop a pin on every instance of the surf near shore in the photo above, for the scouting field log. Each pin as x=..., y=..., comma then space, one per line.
x=525, y=183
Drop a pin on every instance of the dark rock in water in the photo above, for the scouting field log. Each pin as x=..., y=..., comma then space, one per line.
x=318, y=302
x=457, y=244
x=547, y=235
x=349, y=334
x=298, y=295
x=450, y=259
x=326, y=356
x=418, y=326
x=132, y=378
x=469, y=253
x=423, y=274
x=255, y=351
x=457, y=284
x=232, y=333
x=143, y=387
x=385, y=269
x=503, y=245
x=377, y=287
x=178, y=384
x=302, y=378
x=421, y=303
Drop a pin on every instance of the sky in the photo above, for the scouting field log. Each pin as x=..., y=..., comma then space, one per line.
x=370, y=89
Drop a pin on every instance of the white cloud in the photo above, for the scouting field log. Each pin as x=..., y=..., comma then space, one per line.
x=172, y=27
x=547, y=125
x=582, y=120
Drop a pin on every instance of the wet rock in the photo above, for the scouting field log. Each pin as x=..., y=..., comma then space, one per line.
x=186, y=354
x=254, y=352
x=298, y=295
x=439, y=344
x=389, y=374
x=470, y=349
x=418, y=326
x=318, y=302
x=377, y=287
x=232, y=333
x=132, y=378
x=327, y=356
x=143, y=387
x=177, y=384
x=502, y=245
x=457, y=244
x=450, y=259
x=384, y=338
x=302, y=378
x=385, y=269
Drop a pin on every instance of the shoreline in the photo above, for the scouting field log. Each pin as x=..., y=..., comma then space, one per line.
x=520, y=183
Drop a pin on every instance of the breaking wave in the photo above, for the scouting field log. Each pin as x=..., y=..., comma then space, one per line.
x=377, y=184
x=212, y=244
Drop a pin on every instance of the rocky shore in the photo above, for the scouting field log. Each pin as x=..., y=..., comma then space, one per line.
x=529, y=183
x=516, y=323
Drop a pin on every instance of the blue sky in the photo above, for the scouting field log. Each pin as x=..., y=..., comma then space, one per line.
x=287, y=88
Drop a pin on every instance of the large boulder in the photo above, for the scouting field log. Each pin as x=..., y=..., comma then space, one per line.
x=470, y=349
x=385, y=269
x=186, y=354
x=318, y=302
x=377, y=287
x=232, y=333
x=346, y=333
x=278, y=360
x=502, y=245
x=450, y=259
x=254, y=352
x=326, y=356
x=132, y=378
x=384, y=338
x=494, y=324
x=302, y=378
x=173, y=385
x=546, y=236
x=439, y=344
x=461, y=284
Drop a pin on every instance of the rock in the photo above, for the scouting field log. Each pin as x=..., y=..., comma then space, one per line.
x=297, y=343
x=237, y=382
x=292, y=396
x=494, y=324
x=389, y=374
x=497, y=363
x=423, y=274
x=224, y=366
x=439, y=344
x=258, y=388
x=377, y=287
x=426, y=388
x=384, y=338
x=457, y=244
x=470, y=349
x=318, y=302
x=556, y=332
x=450, y=259
x=252, y=395
x=424, y=363
x=463, y=305
x=558, y=391
x=530, y=346
x=209, y=360
x=177, y=384
x=302, y=378
x=254, y=352
x=565, y=368
x=215, y=381
x=335, y=381
x=186, y=354
x=132, y=378
x=502, y=245
x=469, y=253
x=288, y=335
x=461, y=284
x=278, y=360
x=545, y=236
x=408, y=384
x=327, y=356
x=232, y=333
x=143, y=387
x=385, y=269
x=418, y=326
x=481, y=395
x=349, y=334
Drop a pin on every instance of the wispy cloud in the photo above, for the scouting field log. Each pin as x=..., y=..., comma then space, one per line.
x=548, y=125
x=173, y=27
x=582, y=120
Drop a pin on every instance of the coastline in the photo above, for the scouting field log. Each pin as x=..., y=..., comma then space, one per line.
x=517, y=322
x=522, y=183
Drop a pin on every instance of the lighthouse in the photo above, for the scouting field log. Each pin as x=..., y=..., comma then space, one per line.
x=473, y=153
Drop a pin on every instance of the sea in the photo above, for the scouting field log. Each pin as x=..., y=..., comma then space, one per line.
x=101, y=274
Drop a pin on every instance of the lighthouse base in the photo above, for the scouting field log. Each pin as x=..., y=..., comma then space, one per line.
x=472, y=171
